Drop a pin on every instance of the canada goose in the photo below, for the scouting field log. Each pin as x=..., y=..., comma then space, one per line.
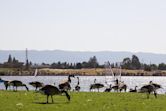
x=16, y=83
x=108, y=89
x=122, y=86
x=96, y=85
x=77, y=87
x=133, y=90
x=157, y=86
x=119, y=86
x=151, y=87
x=115, y=88
x=5, y=83
x=50, y=90
x=1, y=80
x=36, y=84
x=65, y=85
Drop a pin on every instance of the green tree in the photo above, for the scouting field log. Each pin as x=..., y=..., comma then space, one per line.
x=78, y=66
x=135, y=62
x=162, y=66
x=147, y=67
x=85, y=64
x=93, y=62
x=153, y=66
x=10, y=59
x=126, y=64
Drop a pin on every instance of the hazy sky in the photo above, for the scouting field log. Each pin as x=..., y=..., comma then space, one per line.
x=83, y=25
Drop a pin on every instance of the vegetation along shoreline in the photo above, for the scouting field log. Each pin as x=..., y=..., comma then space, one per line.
x=129, y=67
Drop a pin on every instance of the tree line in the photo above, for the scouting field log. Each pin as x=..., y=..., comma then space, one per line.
x=91, y=63
x=132, y=63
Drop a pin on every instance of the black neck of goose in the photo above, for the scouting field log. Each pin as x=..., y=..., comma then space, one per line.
x=67, y=95
x=26, y=87
x=78, y=81
x=69, y=80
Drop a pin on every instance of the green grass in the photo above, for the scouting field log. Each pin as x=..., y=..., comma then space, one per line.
x=31, y=101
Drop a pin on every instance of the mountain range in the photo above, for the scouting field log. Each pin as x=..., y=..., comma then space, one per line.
x=50, y=56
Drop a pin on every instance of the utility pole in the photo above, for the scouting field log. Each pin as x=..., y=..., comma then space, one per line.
x=26, y=60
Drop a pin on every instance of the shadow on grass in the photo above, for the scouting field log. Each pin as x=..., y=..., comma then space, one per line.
x=51, y=103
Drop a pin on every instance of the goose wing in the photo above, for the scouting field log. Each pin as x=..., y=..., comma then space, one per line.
x=147, y=88
x=156, y=85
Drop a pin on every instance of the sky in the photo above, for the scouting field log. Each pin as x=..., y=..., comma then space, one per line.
x=83, y=25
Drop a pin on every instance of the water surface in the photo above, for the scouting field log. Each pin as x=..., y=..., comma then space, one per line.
x=85, y=81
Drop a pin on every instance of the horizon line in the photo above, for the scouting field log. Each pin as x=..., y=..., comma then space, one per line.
x=134, y=52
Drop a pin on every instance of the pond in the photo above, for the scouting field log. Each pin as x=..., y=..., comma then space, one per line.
x=85, y=81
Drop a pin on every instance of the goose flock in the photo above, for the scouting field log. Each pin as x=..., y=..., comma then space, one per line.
x=65, y=86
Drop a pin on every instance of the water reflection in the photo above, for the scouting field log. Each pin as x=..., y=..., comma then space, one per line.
x=85, y=81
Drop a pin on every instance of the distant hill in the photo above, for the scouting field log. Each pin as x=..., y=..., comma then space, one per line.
x=50, y=56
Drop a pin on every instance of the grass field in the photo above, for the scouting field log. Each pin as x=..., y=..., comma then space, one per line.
x=31, y=101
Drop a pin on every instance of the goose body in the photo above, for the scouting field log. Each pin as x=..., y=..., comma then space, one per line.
x=96, y=86
x=133, y=90
x=50, y=90
x=36, y=84
x=15, y=84
x=115, y=88
x=150, y=88
x=65, y=85
x=122, y=86
x=108, y=89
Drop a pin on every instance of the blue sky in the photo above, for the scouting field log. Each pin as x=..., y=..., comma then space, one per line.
x=83, y=25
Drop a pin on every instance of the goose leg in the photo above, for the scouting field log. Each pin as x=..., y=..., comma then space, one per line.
x=6, y=86
x=148, y=94
x=120, y=90
x=47, y=98
x=155, y=94
x=52, y=99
